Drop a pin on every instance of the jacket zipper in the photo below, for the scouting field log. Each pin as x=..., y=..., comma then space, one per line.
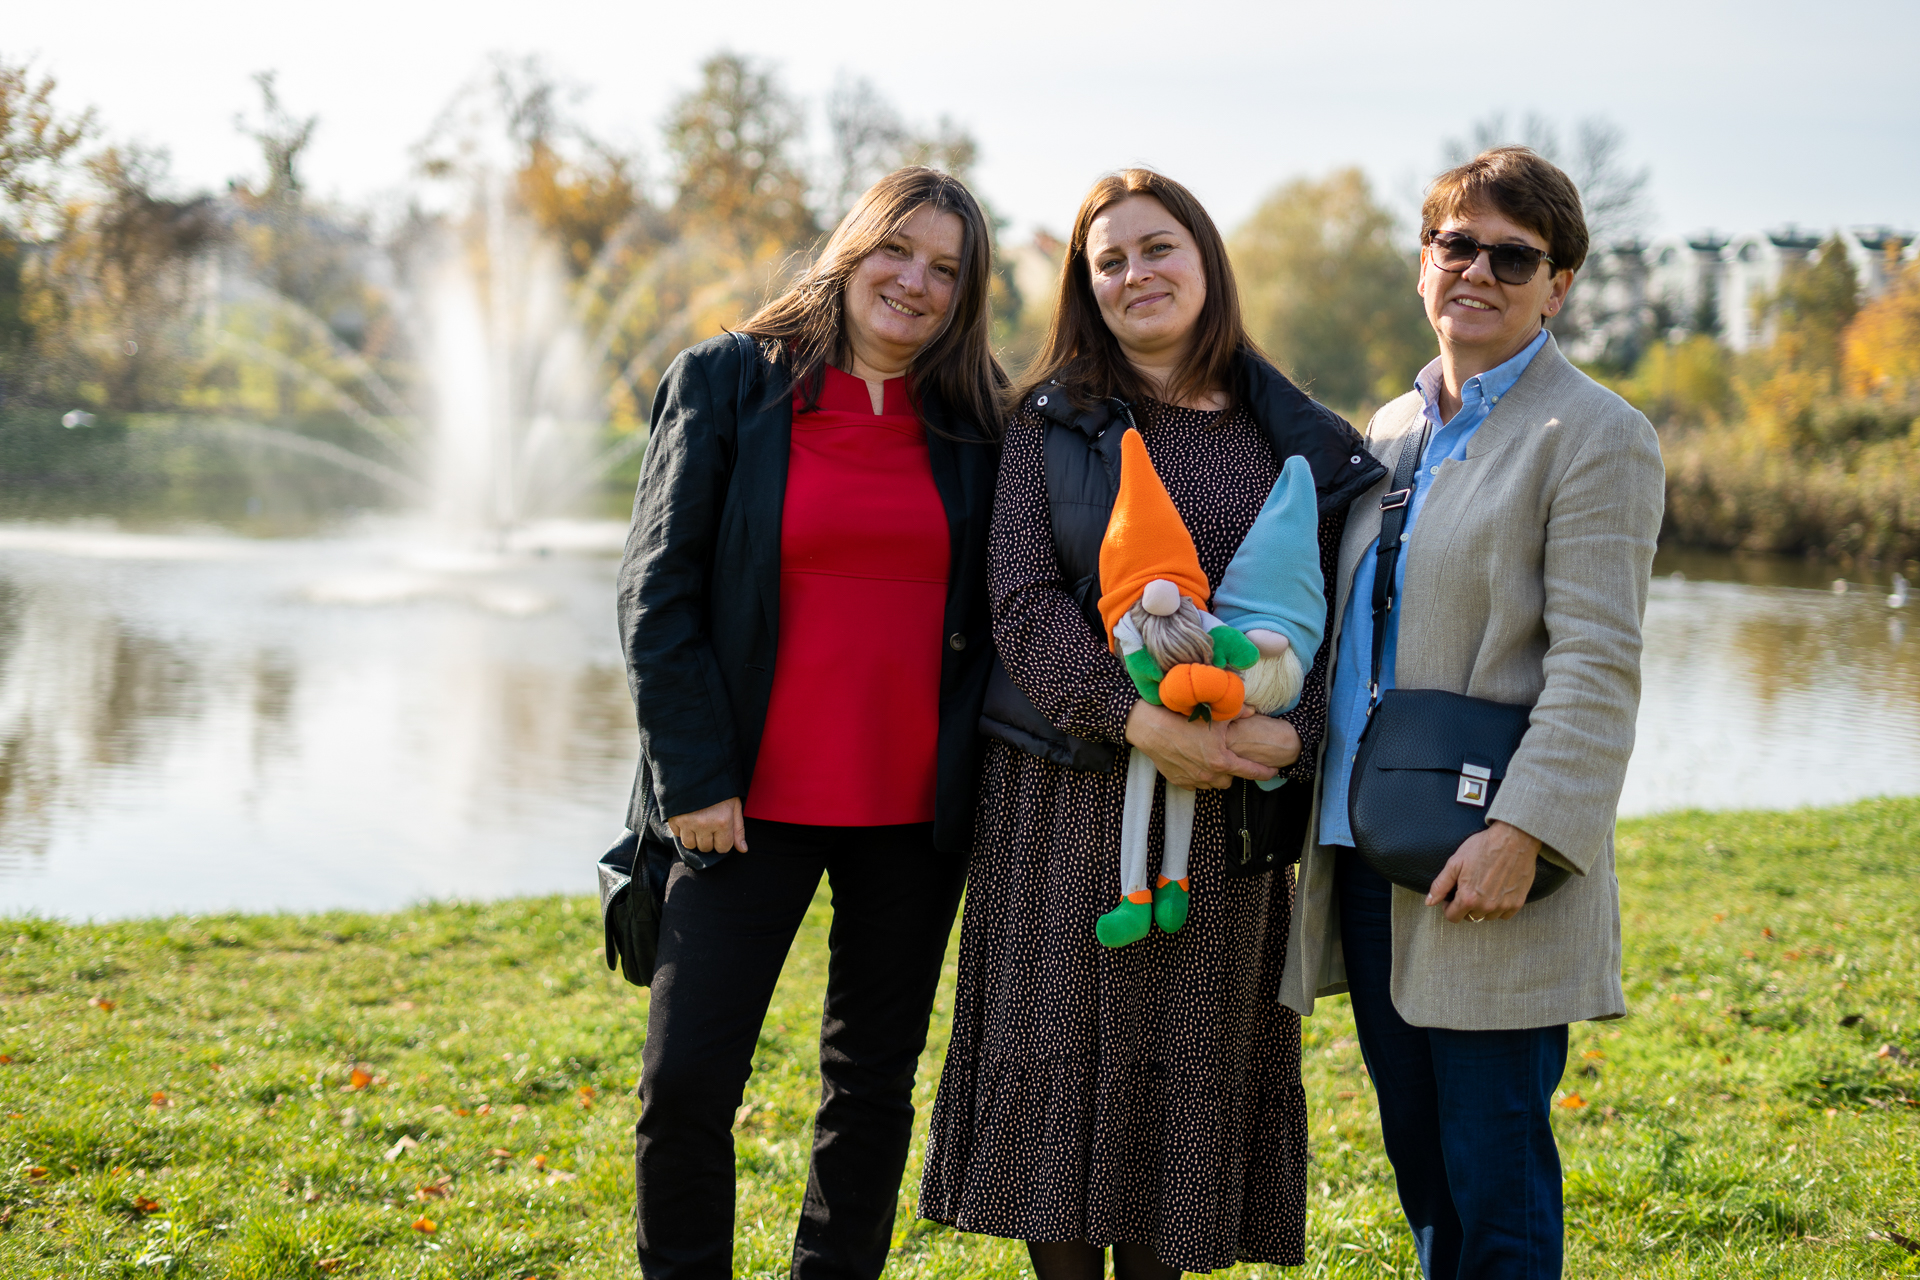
x=1246, y=837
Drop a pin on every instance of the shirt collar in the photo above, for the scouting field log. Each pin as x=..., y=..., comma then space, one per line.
x=1491, y=385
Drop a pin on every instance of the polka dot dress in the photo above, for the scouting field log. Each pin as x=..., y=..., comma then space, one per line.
x=1149, y=1094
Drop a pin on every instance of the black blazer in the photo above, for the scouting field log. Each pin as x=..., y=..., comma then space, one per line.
x=699, y=590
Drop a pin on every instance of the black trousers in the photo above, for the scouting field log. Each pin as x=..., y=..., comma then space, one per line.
x=723, y=937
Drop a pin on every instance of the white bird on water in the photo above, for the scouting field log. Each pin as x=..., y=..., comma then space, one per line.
x=1899, y=597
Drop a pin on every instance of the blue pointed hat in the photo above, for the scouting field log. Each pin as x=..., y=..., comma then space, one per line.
x=1274, y=581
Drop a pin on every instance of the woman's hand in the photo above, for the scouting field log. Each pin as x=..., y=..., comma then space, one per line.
x=1188, y=753
x=1489, y=875
x=1264, y=740
x=718, y=828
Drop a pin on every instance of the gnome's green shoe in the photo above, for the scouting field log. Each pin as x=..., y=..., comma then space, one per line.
x=1128, y=922
x=1170, y=905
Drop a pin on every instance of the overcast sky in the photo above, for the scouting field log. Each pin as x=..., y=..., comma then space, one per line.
x=1749, y=115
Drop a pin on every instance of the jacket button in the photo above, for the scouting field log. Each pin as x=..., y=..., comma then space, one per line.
x=956, y=642
x=1354, y=460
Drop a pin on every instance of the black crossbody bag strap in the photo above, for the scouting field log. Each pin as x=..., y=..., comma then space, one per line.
x=1394, y=505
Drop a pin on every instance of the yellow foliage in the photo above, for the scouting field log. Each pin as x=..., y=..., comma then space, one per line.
x=580, y=205
x=1681, y=382
x=1880, y=350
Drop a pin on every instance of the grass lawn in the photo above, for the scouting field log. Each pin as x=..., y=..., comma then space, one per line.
x=446, y=1091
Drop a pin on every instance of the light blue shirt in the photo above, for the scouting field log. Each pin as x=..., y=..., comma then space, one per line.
x=1347, y=712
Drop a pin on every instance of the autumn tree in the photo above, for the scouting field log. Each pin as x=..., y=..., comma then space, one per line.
x=1329, y=294
x=871, y=140
x=37, y=144
x=732, y=143
x=1787, y=387
x=1880, y=348
x=124, y=268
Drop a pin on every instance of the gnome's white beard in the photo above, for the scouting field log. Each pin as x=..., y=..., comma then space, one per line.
x=1273, y=683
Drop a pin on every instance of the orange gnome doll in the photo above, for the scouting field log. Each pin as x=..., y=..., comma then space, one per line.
x=1153, y=601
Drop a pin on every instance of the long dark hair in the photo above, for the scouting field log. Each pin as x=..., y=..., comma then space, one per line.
x=1081, y=353
x=804, y=329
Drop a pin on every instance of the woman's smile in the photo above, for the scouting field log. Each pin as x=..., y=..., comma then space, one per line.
x=901, y=307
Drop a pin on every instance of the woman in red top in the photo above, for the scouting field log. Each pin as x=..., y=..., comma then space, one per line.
x=804, y=609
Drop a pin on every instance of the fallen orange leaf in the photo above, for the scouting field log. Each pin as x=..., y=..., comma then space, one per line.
x=141, y=1204
x=424, y=1225
x=539, y=1162
x=1766, y=933
x=1573, y=1102
x=36, y=1173
x=486, y=1109
x=6, y=1059
x=159, y=1100
x=501, y=1153
x=1594, y=1053
x=101, y=1003
x=438, y=1188
x=359, y=1079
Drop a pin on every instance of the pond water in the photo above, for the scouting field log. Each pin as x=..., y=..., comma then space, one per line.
x=202, y=722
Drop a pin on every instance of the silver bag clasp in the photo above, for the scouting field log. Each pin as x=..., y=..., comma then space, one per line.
x=1475, y=782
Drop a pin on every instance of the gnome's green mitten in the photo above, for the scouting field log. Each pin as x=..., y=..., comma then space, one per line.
x=1232, y=649
x=1128, y=922
x=1146, y=674
x=1170, y=905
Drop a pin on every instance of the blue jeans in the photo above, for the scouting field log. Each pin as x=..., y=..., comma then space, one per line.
x=1465, y=1114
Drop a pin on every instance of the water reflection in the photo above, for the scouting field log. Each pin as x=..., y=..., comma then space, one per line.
x=1770, y=696
x=204, y=723
x=199, y=723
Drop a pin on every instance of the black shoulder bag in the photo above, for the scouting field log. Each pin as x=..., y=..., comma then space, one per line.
x=1429, y=762
x=632, y=918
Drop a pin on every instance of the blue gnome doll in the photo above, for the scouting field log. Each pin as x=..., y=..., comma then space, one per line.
x=1274, y=594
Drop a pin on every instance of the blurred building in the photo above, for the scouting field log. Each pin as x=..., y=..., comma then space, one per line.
x=1715, y=285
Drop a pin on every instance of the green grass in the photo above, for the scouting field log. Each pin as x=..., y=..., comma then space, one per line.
x=1744, y=1121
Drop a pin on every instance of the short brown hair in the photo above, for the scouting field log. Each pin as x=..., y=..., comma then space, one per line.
x=1082, y=354
x=1517, y=183
x=807, y=323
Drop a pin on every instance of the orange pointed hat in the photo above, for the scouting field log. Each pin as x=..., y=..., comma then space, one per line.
x=1146, y=539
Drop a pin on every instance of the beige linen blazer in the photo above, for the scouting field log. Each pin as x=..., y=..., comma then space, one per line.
x=1526, y=582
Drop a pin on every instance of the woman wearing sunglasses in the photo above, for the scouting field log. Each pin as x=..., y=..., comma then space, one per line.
x=1528, y=540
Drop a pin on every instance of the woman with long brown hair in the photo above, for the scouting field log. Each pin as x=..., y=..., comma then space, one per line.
x=1147, y=1097
x=803, y=606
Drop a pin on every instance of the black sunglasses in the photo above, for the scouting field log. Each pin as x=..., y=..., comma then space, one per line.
x=1511, y=263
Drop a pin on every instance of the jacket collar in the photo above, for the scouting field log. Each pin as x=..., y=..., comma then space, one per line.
x=1521, y=409
x=1294, y=422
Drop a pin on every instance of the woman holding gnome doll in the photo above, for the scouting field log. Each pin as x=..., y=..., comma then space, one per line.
x=1131, y=1082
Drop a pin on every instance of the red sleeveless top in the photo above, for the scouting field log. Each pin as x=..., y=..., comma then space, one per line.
x=851, y=730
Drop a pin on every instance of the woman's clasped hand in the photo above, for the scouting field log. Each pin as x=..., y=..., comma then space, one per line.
x=1196, y=753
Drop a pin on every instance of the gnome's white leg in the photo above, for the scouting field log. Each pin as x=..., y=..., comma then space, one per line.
x=1170, y=895
x=1173, y=862
x=1132, y=919
x=1141, y=775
